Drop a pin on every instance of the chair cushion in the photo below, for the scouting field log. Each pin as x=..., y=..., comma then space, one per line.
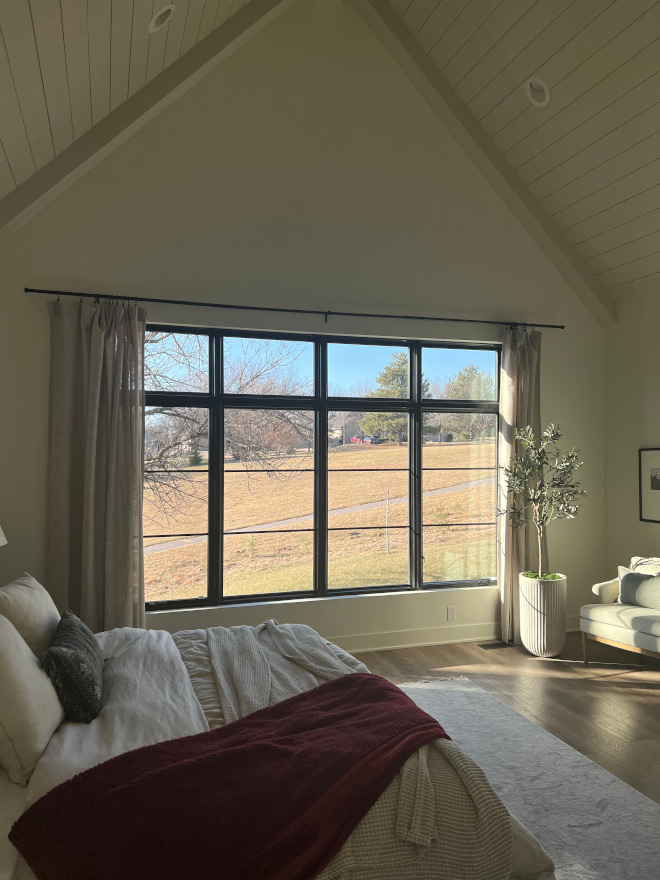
x=640, y=589
x=630, y=617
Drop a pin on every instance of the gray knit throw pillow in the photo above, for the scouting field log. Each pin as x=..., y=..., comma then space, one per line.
x=74, y=664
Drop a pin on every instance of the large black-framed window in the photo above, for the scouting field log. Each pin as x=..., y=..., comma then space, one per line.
x=271, y=475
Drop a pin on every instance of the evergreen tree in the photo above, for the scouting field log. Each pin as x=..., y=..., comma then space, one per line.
x=392, y=382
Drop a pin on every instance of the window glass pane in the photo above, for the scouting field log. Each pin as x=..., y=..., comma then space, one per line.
x=356, y=370
x=367, y=498
x=176, y=569
x=176, y=438
x=462, y=553
x=275, y=499
x=273, y=563
x=269, y=439
x=174, y=503
x=367, y=440
x=176, y=362
x=459, y=440
x=459, y=497
x=268, y=366
x=367, y=558
x=459, y=374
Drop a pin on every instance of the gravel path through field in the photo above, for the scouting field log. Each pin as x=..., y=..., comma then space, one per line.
x=297, y=520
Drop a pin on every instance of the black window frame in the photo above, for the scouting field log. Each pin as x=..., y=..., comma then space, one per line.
x=320, y=403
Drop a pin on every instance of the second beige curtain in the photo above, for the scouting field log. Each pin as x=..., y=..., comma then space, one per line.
x=94, y=529
x=520, y=405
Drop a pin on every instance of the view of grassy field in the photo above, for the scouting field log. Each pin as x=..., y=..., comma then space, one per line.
x=281, y=561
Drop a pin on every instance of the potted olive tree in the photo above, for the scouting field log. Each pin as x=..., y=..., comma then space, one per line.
x=541, y=481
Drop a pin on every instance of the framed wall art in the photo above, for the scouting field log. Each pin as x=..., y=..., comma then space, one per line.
x=649, y=485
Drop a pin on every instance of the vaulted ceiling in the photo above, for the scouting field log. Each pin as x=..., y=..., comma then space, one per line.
x=76, y=77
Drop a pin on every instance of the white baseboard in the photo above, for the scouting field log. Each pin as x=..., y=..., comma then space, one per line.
x=417, y=638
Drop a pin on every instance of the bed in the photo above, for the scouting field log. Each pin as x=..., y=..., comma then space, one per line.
x=158, y=687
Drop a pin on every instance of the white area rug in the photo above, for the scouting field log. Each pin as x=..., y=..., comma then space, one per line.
x=594, y=826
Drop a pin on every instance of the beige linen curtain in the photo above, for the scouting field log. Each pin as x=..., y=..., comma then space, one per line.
x=94, y=528
x=520, y=405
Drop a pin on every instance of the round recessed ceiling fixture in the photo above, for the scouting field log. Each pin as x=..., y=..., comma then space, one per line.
x=161, y=18
x=537, y=91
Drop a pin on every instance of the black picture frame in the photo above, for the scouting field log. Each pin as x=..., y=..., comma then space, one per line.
x=649, y=484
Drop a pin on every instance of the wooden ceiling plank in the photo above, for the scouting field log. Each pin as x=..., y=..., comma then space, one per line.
x=223, y=13
x=627, y=187
x=209, y=14
x=115, y=129
x=621, y=112
x=400, y=6
x=99, y=23
x=626, y=253
x=76, y=46
x=619, y=168
x=505, y=16
x=641, y=268
x=20, y=43
x=175, y=31
x=538, y=17
x=420, y=10
x=639, y=286
x=628, y=136
x=193, y=21
x=602, y=27
x=7, y=182
x=467, y=132
x=156, y=53
x=120, y=50
x=616, y=67
x=615, y=216
x=619, y=236
x=459, y=32
x=12, y=128
x=617, y=84
x=137, y=74
x=436, y=24
x=47, y=20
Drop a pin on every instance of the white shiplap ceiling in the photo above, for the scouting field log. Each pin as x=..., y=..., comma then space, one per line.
x=591, y=157
x=66, y=64
x=74, y=74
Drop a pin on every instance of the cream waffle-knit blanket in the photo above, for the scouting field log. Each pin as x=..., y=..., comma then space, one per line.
x=439, y=818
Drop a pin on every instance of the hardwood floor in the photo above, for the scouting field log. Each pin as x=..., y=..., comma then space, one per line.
x=608, y=710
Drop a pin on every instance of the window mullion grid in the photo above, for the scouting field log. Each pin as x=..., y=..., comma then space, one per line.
x=216, y=474
x=415, y=464
x=321, y=471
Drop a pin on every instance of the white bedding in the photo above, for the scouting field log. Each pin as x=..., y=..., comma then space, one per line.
x=157, y=687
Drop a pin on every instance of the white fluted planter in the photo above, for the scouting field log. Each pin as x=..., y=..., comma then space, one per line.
x=543, y=615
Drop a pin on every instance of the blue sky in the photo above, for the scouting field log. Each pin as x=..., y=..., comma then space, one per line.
x=352, y=364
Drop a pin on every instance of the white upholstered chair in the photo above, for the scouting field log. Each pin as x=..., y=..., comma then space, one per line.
x=631, y=627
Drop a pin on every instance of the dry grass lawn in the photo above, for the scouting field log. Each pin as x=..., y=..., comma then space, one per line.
x=282, y=562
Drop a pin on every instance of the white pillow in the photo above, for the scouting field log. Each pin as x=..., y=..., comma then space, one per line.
x=645, y=564
x=29, y=607
x=30, y=711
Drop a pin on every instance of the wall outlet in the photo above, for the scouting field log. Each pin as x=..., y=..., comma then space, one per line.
x=451, y=612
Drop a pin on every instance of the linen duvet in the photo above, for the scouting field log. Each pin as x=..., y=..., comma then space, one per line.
x=439, y=819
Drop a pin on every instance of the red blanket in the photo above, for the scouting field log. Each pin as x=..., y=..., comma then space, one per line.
x=270, y=797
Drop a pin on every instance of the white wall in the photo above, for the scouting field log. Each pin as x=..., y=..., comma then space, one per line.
x=632, y=377
x=304, y=171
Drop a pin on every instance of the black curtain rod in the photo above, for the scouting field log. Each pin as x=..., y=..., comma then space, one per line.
x=325, y=314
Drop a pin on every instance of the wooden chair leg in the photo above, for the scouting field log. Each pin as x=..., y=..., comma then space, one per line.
x=584, y=648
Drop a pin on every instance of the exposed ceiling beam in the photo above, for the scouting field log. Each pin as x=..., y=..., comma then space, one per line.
x=465, y=129
x=54, y=178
